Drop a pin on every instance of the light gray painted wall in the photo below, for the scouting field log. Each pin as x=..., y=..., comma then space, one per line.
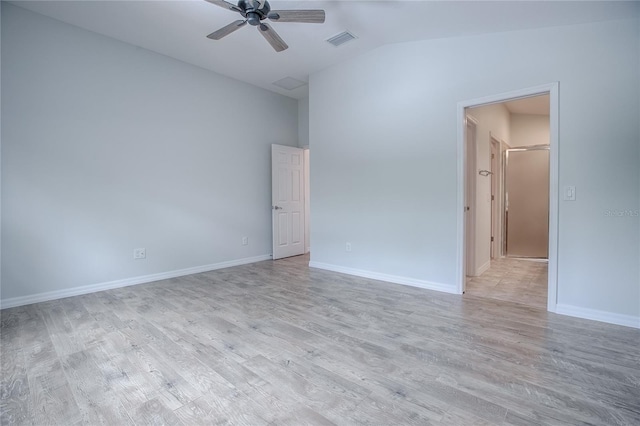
x=529, y=129
x=1, y=172
x=383, y=130
x=303, y=142
x=107, y=147
x=303, y=122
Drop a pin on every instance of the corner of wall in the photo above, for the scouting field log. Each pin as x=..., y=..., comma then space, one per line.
x=303, y=122
x=395, y=279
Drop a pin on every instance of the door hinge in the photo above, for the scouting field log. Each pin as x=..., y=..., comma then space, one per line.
x=493, y=198
x=493, y=156
x=491, y=239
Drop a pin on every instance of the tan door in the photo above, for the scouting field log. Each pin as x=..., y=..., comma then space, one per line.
x=527, y=202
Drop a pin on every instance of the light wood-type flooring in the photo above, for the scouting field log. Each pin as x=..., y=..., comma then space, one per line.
x=279, y=343
x=516, y=280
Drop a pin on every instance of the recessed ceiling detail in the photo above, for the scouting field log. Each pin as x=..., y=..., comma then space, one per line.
x=289, y=83
x=342, y=38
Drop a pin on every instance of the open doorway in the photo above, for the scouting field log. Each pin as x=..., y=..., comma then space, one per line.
x=512, y=259
x=512, y=145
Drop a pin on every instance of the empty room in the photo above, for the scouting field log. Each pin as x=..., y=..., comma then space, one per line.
x=317, y=220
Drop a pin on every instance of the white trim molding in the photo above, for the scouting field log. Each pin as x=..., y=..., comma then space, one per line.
x=552, y=89
x=396, y=279
x=93, y=288
x=596, y=315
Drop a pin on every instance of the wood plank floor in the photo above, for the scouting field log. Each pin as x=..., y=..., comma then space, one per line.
x=516, y=280
x=277, y=343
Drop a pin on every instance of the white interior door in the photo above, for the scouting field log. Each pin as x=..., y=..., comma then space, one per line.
x=287, y=200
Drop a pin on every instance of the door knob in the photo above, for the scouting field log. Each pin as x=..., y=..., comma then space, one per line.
x=277, y=208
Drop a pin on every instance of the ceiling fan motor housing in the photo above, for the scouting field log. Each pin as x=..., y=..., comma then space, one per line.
x=253, y=12
x=256, y=11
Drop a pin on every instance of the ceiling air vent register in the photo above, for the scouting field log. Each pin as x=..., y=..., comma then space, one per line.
x=342, y=38
x=289, y=83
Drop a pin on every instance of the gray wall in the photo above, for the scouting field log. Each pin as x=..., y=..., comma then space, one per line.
x=303, y=122
x=107, y=147
x=383, y=131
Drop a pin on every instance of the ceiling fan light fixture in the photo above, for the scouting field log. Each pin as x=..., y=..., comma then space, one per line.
x=255, y=12
x=342, y=38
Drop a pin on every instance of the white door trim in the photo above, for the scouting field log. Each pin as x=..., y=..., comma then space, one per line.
x=553, y=90
x=307, y=202
x=496, y=175
x=471, y=268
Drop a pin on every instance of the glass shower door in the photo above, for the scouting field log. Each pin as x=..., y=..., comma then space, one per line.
x=526, y=216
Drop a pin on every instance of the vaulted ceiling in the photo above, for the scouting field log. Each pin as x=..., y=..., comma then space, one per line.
x=178, y=29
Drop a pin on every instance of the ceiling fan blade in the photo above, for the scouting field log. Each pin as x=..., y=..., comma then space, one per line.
x=272, y=37
x=307, y=16
x=226, y=5
x=227, y=29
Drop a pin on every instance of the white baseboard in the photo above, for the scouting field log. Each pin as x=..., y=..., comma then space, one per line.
x=92, y=288
x=596, y=315
x=413, y=282
x=484, y=268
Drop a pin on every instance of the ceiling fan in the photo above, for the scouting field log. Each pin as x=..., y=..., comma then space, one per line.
x=255, y=12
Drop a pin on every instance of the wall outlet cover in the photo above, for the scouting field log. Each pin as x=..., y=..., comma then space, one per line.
x=139, y=253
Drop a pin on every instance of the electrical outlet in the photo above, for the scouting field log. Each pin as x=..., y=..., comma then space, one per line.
x=140, y=253
x=245, y=241
x=348, y=247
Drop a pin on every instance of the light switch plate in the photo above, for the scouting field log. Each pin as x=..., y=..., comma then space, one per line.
x=569, y=193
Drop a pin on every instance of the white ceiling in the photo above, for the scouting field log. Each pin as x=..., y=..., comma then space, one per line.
x=538, y=105
x=178, y=28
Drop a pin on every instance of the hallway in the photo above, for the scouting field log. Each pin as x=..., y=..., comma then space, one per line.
x=514, y=280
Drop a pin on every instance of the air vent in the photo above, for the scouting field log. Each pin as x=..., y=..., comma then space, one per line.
x=289, y=83
x=342, y=38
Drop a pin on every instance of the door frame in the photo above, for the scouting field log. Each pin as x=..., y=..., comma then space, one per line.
x=552, y=89
x=495, y=165
x=307, y=201
x=470, y=197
